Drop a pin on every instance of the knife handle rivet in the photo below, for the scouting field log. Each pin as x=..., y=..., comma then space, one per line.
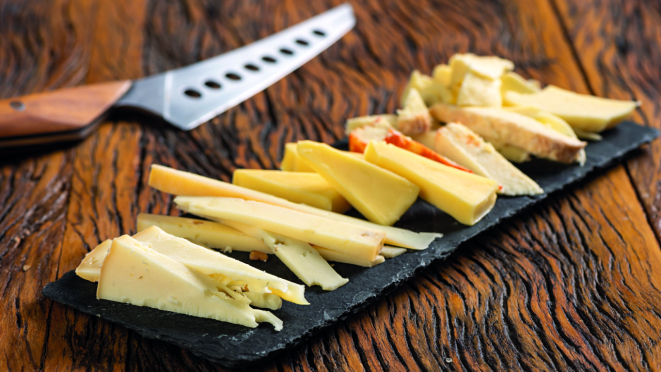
x=192, y=93
x=233, y=76
x=17, y=105
x=269, y=59
x=286, y=51
x=251, y=67
x=302, y=42
x=319, y=33
x=212, y=84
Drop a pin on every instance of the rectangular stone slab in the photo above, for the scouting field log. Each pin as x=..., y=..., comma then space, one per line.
x=236, y=346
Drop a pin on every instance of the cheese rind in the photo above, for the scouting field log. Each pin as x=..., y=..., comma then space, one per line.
x=297, y=187
x=463, y=146
x=135, y=274
x=178, y=182
x=291, y=162
x=340, y=236
x=206, y=233
x=379, y=195
x=464, y=196
x=585, y=112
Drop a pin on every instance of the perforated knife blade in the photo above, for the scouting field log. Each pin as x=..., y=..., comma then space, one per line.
x=185, y=97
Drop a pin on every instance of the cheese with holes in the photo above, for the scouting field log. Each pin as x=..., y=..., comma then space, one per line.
x=303, y=260
x=206, y=233
x=135, y=274
x=339, y=236
x=380, y=195
x=298, y=187
x=177, y=182
x=585, y=112
x=464, y=196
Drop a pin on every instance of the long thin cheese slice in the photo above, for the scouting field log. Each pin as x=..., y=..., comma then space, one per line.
x=206, y=233
x=339, y=236
x=264, y=300
x=291, y=162
x=334, y=256
x=135, y=274
x=379, y=195
x=390, y=252
x=177, y=182
x=303, y=260
x=463, y=195
x=298, y=187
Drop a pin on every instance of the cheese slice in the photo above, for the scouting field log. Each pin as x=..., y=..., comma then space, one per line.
x=476, y=90
x=90, y=267
x=135, y=274
x=463, y=146
x=490, y=67
x=431, y=90
x=206, y=233
x=463, y=195
x=512, y=81
x=303, y=260
x=339, y=236
x=177, y=182
x=443, y=75
x=414, y=117
x=582, y=111
x=390, y=252
x=264, y=300
x=291, y=162
x=298, y=187
x=381, y=196
x=334, y=256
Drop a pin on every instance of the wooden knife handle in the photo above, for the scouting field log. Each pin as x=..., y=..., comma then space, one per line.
x=50, y=114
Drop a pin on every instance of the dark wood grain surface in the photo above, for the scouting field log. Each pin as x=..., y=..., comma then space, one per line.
x=572, y=285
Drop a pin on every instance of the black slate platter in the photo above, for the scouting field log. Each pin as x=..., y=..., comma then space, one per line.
x=237, y=346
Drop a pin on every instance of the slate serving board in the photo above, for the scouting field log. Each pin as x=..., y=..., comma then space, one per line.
x=236, y=346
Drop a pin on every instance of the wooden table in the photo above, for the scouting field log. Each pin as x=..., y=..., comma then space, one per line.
x=573, y=284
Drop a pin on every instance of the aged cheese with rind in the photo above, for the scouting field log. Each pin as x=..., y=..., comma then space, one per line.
x=379, y=195
x=133, y=273
x=464, y=196
x=339, y=236
x=178, y=182
x=298, y=187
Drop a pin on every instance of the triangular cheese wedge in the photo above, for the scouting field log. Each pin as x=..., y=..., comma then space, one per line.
x=298, y=187
x=135, y=274
x=380, y=195
x=90, y=267
x=463, y=195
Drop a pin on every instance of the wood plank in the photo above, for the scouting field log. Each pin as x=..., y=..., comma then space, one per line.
x=620, y=56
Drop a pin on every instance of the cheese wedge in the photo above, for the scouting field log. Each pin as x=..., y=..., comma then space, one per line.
x=90, y=267
x=339, y=236
x=291, y=162
x=476, y=90
x=414, y=117
x=513, y=129
x=490, y=67
x=463, y=146
x=512, y=81
x=464, y=196
x=298, y=187
x=582, y=111
x=303, y=260
x=390, y=252
x=443, y=75
x=135, y=274
x=384, y=121
x=206, y=233
x=177, y=182
x=334, y=256
x=381, y=196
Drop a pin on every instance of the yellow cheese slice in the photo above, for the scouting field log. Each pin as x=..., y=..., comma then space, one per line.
x=298, y=187
x=512, y=81
x=177, y=182
x=585, y=112
x=135, y=274
x=90, y=267
x=303, y=260
x=206, y=233
x=380, y=195
x=463, y=195
x=291, y=162
x=490, y=67
x=334, y=256
x=476, y=90
x=390, y=252
x=430, y=90
x=443, y=75
x=339, y=236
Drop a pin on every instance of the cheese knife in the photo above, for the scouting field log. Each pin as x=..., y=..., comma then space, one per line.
x=185, y=97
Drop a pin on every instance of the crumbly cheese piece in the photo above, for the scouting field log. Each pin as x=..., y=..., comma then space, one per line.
x=581, y=111
x=339, y=236
x=206, y=233
x=303, y=260
x=511, y=153
x=264, y=300
x=513, y=129
x=380, y=195
x=135, y=274
x=334, y=256
x=414, y=117
x=431, y=90
x=512, y=81
x=390, y=252
x=476, y=90
x=443, y=75
x=90, y=267
x=184, y=183
x=464, y=196
x=385, y=121
x=291, y=162
x=463, y=146
x=490, y=67
x=298, y=187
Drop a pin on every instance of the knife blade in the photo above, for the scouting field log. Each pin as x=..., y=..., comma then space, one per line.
x=185, y=97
